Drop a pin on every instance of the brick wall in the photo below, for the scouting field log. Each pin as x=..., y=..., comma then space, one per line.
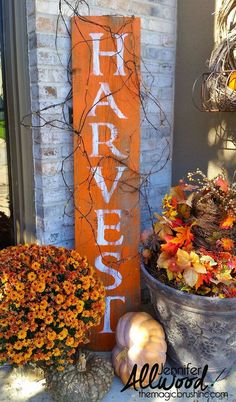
x=49, y=86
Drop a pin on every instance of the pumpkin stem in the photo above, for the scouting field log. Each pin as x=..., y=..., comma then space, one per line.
x=81, y=365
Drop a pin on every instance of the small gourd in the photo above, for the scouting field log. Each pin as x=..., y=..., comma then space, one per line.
x=232, y=81
x=139, y=340
x=88, y=380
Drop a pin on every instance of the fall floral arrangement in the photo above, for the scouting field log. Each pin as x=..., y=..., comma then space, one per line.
x=49, y=298
x=192, y=244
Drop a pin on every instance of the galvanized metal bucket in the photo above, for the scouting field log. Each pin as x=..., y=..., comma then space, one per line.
x=200, y=330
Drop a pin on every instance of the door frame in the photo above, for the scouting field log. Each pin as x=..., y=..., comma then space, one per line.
x=18, y=104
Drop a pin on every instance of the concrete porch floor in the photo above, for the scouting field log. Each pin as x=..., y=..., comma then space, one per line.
x=18, y=387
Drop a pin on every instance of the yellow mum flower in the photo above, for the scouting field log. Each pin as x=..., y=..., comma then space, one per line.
x=60, y=368
x=79, y=305
x=57, y=352
x=86, y=313
x=39, y=342
x=63, y=334
x=18, y=345
x=51, y=335
x=22, y=334
x=28, y=354
x=31, y=276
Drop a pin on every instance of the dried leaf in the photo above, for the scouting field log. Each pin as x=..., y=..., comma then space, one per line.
x=190, y=277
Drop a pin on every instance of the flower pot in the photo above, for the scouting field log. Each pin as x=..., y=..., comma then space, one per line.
x=200, y=330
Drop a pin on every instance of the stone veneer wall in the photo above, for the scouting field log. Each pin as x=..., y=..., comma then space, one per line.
x=49, y=85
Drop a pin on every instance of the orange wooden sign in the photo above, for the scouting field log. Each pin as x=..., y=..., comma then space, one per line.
x=106, y=117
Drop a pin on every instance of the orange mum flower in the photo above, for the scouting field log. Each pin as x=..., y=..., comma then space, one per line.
x=69, y=341
x=48, y=319
x=34, y=286
x=85, y=296
x=85, y=283
x=94, y=295
x=41, y=287
x=41, y=314
x=17, y=359
x=44, y=304
x=227, y=243
x=49, y=345
x=59, y=299
x=19, y=286
x=71, y=352
x=35, y=266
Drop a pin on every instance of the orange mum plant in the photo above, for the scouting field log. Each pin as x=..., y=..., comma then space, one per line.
x=192, y=245
x=49, y=298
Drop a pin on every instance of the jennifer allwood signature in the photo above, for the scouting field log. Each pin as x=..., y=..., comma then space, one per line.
x=157, y=381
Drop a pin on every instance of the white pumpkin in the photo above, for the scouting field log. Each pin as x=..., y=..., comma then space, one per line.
x=140, y=339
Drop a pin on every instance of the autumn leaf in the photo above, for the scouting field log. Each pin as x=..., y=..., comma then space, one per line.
x=222, y=183
x=168, y=262
x=162, y=227
x=190, y=277
x=208, y=259
x=163, y=260
x=170, y=275
x=191, y=259
x=184, y=210
x=169, y=247
x=183, y=259
x=228, y=222
x=200, y=281
x=224, y=275
x=192, y=266
x=184, y=236
x=178, y=193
